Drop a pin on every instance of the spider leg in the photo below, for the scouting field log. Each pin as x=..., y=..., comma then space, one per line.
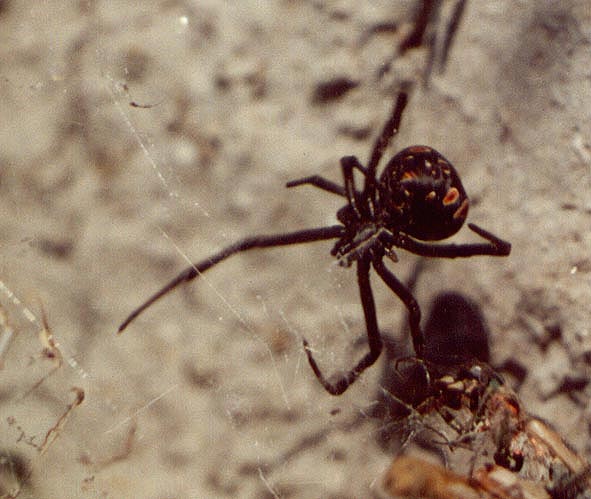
x=195, y=270
x=504, y=247
x=495, y=247
x=450, y=32
x=353, y=162
x=427, y=14
x=373, y=335
x=348, y=164
x=327, y=185
x=414, y=311
x=320, y=182
x=390, y=129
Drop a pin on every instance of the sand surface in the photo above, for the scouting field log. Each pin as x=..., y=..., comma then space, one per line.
x=137, y=137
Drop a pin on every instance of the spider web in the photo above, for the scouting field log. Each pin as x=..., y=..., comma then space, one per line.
x=143, y=138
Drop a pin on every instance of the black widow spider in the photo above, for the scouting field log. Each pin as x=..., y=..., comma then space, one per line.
x=419, y=197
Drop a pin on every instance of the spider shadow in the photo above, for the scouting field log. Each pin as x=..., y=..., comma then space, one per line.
x=455, y=335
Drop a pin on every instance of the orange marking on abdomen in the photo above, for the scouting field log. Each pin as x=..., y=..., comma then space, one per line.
x=409, y=175
x=462, y=211
x=451, y=196
x=418, y=149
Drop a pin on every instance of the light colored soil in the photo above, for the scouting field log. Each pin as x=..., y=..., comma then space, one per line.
x=208, y=394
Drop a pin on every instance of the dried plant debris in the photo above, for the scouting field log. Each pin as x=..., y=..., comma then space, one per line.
x=453, y=405
x=14, y=473
x=50, y=437
x=411, y=477
x=6, y=335
x=491, y=446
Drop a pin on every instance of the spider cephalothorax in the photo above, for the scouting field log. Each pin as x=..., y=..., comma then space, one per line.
x=419, y=194
x=418, y=197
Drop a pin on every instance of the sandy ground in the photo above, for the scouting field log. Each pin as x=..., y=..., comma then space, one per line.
x=208, y=394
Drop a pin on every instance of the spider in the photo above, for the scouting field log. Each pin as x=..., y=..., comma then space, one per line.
x=418, y=198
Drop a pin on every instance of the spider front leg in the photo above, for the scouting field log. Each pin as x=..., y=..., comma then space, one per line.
x=373, y=336
x=269, y=241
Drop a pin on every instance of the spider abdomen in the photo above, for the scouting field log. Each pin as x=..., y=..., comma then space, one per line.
x=422, y=195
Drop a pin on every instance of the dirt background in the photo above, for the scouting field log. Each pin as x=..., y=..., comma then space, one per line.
x=208, y=394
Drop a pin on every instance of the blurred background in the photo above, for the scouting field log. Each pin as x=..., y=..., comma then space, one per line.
x=137, y=137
